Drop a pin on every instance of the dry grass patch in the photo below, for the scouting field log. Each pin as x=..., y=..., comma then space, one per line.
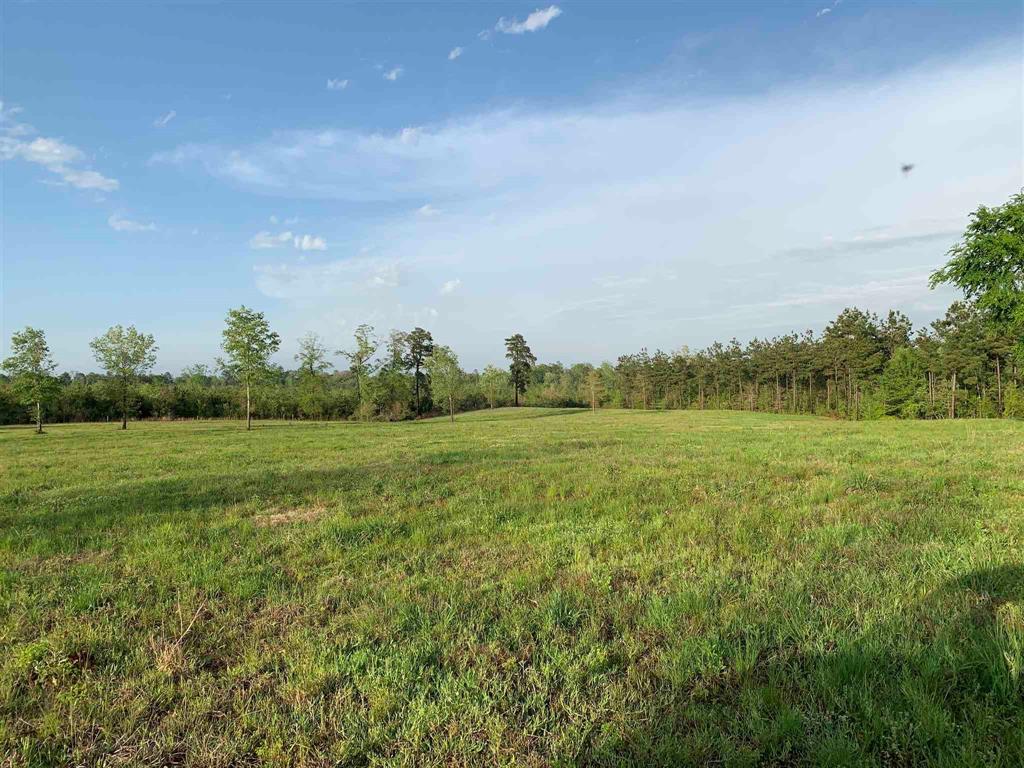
x=292, y=515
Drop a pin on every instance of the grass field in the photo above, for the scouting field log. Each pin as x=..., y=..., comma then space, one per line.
x=527, y=587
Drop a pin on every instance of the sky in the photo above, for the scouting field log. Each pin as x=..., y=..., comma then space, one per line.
x=599, y=177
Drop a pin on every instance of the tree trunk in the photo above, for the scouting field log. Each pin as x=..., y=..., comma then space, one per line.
x=248, y=408
x=124, y=408
x=952, y=399
x=39, y=418
x=515, y=390
x=999, y=387
x=417, y=382
x=451, y=407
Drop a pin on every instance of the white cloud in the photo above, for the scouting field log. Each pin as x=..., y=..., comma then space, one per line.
x=828, y=9
x=310, y=243
x=410, y=135
x=120, y=224
x=161, y=122
x=384, y=276
x=55, y=155
x=454, y=53
x=265, y=240
x=534, y=22
x=450, y=286
x=336, y=84
x=427, y=211
x=393, y=74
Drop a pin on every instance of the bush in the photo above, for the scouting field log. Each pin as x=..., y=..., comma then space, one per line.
x=1013, y=402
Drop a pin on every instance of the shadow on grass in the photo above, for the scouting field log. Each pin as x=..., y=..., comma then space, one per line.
x=956, y=697
x=506, y=414
x=77, y=517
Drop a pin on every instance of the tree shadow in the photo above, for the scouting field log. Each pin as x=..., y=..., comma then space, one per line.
x=528, y=413
x=945, y=687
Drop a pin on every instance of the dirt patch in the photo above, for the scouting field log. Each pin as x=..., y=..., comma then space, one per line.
x=286, y=516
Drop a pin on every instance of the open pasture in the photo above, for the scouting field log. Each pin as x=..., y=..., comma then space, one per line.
x=522, y=587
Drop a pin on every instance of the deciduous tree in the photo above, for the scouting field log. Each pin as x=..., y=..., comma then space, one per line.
x=988, y=265
x=248, y=343
x=446, y=378
x=493, y=381
x=360, y=358
x=125, y=355
x=31, y=368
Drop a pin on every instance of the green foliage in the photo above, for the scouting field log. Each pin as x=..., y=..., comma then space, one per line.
x=31, y=368
x=521, y=361
x=125, y=355
x=537, y=587
x=446, y=377
x=901, y=384
x=495, y=385
x=988, y=265
x=1013, y=402
x=361, y=363
x=248, y=343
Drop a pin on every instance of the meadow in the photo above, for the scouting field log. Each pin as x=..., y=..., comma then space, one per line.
x=522, y=587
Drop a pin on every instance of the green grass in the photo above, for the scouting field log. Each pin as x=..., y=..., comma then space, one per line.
x=530, y=587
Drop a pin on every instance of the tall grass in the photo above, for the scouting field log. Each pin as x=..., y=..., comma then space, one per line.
x=522, y=587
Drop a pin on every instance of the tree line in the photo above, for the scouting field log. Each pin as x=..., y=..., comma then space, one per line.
x=969, y=363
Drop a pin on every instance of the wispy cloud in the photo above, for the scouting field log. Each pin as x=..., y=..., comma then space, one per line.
x=871, y=243
x=427, y=211
x=893, y=291
x=120, y=224
x=450, y=286
x=828, y=9
x=335, y=278
x=265, y=240
x=161, y=122
x=56, y=156
x=537, y=20
x=393, y=74
x=336, y=84
x=535, y=225
x=454, y=53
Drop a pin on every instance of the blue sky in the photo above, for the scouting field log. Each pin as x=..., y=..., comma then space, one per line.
x=596, y=176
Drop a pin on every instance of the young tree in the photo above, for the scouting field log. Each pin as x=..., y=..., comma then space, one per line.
x=595, y=387
x=493, y=382
x=903, y=384
x=31, y=368
x=125, y=354
x=248, y=343
x=522, y=360
x=445, y=375
x=360, y=358
x=312, y=356
x=419, y=346
x=312, y=360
